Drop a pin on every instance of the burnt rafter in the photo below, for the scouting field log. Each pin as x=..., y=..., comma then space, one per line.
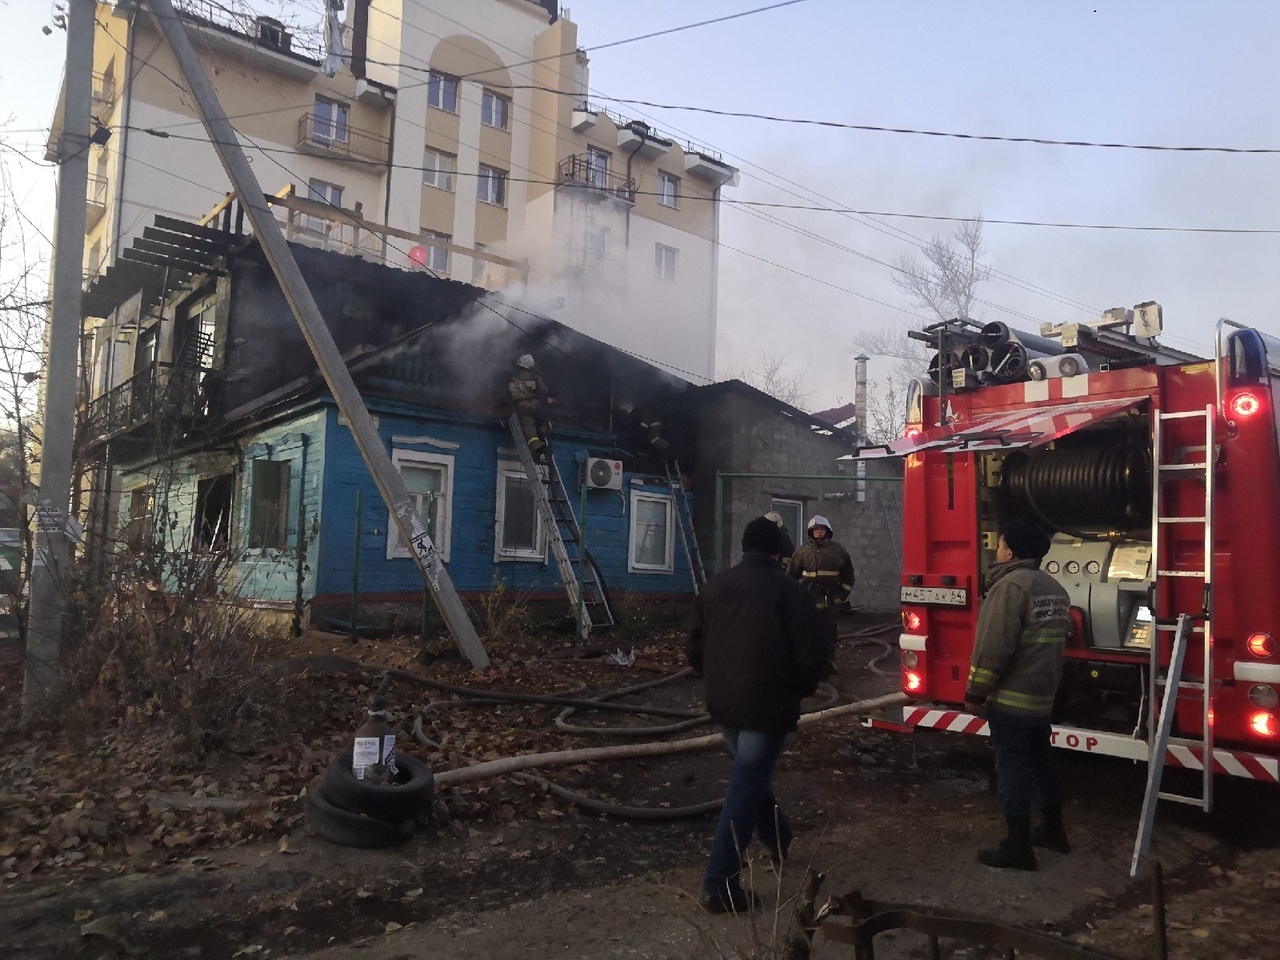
x=184, y=254
x=217, y=248
x=164, y=260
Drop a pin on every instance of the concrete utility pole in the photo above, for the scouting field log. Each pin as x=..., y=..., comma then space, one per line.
x=52, y=557
x=317, y=335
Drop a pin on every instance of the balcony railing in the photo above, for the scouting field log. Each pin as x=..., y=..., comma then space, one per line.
x=104, y=92
x=157, y=394
x=95, y=201
x=327, y=136
x=580, y=170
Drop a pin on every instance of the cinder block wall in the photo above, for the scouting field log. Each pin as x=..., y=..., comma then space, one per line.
x=740, y=433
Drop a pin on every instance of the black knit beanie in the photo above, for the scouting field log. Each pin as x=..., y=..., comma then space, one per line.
x=762, y=535
x=1026, y=539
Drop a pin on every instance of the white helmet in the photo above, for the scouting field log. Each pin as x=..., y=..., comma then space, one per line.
x=525, y=361
x=820, y=521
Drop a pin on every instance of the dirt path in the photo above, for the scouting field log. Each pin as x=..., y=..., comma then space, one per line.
x=502, y=873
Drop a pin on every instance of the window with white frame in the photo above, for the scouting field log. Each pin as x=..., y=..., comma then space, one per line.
x=442, y=92
x=437, y=255
x=429, y=479
x=330, y=124
x=668, y=190
x=268, y=520
x=327, y=193
x=495, y=110
x=492, y=186
x=665, y=260
x=652, y=543
x=519, y=530
x=438, y=169
x=597, y=241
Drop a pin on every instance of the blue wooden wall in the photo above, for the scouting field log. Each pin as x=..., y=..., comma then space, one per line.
x=477, y=446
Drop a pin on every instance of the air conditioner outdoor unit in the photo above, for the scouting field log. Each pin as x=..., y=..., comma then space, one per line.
x=601, y=474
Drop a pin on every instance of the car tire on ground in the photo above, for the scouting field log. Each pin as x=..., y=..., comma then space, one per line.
x=348, y=829
x=407, y=797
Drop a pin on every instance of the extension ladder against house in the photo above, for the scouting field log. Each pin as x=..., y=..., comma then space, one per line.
x=1166, y=473
x=578, y=570
x=684, y=521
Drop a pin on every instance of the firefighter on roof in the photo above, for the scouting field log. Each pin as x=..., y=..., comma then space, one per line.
x=825, y=570
x=1023, y=624
x=644, y=426
x=530, y=398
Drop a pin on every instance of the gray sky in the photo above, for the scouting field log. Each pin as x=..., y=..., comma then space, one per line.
x=1163, y=72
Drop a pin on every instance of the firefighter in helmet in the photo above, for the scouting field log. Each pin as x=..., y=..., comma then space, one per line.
x=644, y=426
x=826, y=571
x=530, y=397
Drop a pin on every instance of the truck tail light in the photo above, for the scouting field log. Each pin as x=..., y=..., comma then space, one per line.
x=1263, y=724
x=910, y=431
x=912, y=682
x=1264, y=696
x=910, y=659
x=1261, y=645
x=1244, y=404
x=912, y=621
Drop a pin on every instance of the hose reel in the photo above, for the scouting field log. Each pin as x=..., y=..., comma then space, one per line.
x=1103, y=486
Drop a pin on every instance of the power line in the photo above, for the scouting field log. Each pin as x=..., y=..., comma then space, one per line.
x=870, y=128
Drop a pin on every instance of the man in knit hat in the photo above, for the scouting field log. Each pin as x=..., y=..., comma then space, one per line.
x=756, y=641
x=1023, y=623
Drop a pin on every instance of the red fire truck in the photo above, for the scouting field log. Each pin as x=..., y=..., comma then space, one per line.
x=1159, y=474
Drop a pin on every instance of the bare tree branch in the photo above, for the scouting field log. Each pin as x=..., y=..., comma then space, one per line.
x=774, y=376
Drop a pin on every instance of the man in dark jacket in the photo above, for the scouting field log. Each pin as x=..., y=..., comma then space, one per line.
x=1023, y=623
x=755, y=639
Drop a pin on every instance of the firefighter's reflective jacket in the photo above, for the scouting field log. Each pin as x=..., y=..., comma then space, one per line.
x=1023, y=625
x=526, y=387
x=826, y=571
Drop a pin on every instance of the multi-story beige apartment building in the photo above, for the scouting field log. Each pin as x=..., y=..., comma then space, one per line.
x=457, y=137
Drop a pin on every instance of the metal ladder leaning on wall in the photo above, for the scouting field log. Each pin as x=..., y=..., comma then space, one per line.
x=582, y=580
x=684, y=520
x=1166, y=472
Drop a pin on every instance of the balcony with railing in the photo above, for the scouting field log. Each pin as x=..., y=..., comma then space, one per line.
x=140, y=409
x=586, y=172
x=95, y=201
x=104, y=93
x=328, y=137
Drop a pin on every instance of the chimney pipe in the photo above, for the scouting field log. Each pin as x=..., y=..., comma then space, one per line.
x=860, y=395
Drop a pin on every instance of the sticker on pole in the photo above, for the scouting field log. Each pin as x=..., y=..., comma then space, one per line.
x=429, y=556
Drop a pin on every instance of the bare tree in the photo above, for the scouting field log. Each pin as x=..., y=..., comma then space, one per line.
x=944, y=282
x=774, y=376
x=23, y=308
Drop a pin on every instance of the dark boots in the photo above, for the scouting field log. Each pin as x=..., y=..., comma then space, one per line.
x=1050, y=834
x=1015, y=850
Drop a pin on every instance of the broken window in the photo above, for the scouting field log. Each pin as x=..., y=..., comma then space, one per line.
x=139, y=529
x=213, y=514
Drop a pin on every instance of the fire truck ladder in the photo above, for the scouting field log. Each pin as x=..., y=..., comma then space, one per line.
x=585, y=585
x=1166, y=473
x=684, y=520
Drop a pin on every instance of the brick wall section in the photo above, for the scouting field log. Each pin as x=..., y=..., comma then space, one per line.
x=742, y=431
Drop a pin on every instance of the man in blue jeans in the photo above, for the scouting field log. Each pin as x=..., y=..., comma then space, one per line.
x=1023, y=623
x=757, y=641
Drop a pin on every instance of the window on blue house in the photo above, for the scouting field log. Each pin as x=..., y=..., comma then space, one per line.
x=429, y=480
x=652, y=541
x=519, y=531
x=268, y=504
